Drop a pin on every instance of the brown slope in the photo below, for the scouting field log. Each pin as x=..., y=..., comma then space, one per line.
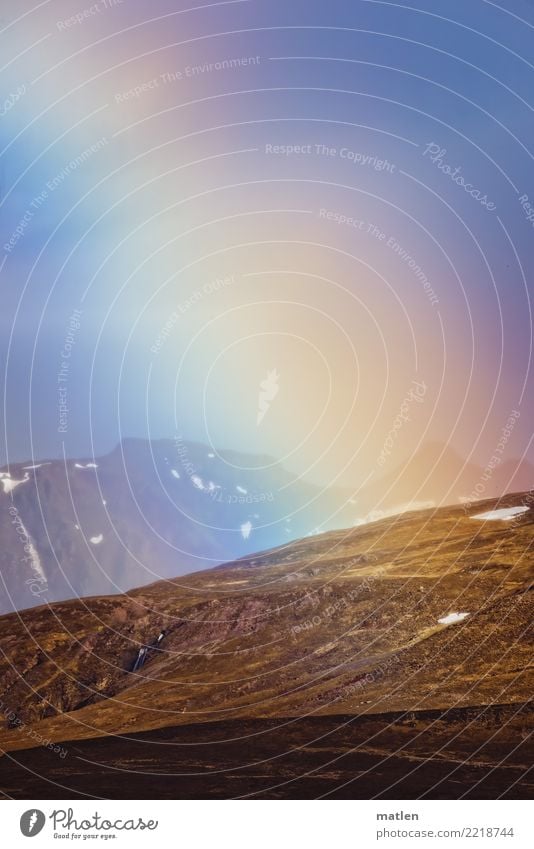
x=346, y=622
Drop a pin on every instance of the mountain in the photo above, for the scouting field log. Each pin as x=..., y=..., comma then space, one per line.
x=437, y=475
x=148, y=510
x=159, y=509
x=389, y=659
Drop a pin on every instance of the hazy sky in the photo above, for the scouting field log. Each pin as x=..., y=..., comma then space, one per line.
x=305, y=208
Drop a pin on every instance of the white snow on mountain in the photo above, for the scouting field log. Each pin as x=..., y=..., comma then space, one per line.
x=241, y=489
x=246, y=528
x=10, y=483
x=451, y=618
x=33, y=554
x=505, y=514
x=96, y=540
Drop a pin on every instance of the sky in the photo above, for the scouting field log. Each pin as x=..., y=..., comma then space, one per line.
x=268, y=226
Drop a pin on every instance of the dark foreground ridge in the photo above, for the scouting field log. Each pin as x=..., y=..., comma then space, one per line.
x=478, y=753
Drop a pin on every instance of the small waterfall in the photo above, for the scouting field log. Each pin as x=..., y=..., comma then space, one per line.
x=143, y=652
x=141, y=657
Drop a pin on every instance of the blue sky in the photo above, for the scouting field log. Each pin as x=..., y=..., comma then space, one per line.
x=181, y=192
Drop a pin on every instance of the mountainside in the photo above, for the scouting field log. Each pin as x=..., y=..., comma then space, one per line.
x=146, y=511
x=429, y=611
x=152, y=510
x=437, y=475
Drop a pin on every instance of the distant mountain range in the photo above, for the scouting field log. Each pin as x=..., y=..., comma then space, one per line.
x=437, y=475
x=147, y=510
x=151, y=510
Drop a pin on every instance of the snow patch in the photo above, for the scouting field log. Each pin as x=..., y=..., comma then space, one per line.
x=87, y=466
x=505, y=514
x=36, y=466
x=246, y=528
x=175, y=474
x=211, y=456
x=451, y=618
x=197, y=481
x=36, y=561
x=31, y=551
x=96, y=540
x=242, y=490
x=10, y=483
